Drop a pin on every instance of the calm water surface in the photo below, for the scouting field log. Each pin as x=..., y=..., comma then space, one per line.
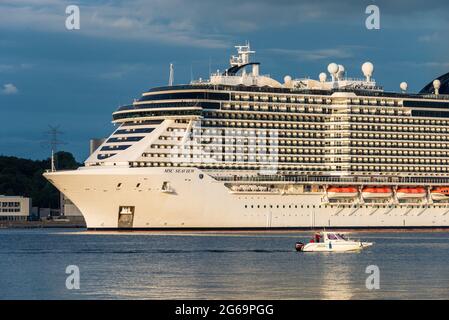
x=155, y=265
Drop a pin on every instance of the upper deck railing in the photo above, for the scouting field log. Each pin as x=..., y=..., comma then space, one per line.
x=336, y=180
x=357, y=91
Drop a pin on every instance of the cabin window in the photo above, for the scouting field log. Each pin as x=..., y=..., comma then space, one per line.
x=332, y=236
x=341, y=237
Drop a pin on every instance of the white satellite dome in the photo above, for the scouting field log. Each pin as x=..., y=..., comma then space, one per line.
x=368, y=69
x=322, y=77
x=287, y=79
x=341, y=71
x=437, y=85
x=403, y=86
x=332, y=68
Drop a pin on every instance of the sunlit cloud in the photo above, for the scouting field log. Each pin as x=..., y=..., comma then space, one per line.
x=204, y=23
x=314, y=55
x=9, y=89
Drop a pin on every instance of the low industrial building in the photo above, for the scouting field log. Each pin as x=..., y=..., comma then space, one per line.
x=70, y=211
x=14, y=208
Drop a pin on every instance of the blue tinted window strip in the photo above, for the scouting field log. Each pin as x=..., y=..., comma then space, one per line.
x=155, y=113
x=140, y=123
x=124, y=139
x=426, y=104
x=187, y=95
x=105, y=156
x=205, y=105
x=138, y=130
x=112, y=148
x=430, y=113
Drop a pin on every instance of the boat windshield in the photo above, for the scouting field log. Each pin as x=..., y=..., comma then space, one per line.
x=332, y=236
x=335, y=236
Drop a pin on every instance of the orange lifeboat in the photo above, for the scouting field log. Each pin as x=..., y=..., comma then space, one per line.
x=440, y=193
x=376, y=192
x=341, y=192
x=410, y=192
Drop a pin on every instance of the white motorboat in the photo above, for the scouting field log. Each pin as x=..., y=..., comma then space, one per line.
x=331, y=242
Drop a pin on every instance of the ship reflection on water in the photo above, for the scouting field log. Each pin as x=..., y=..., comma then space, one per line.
x=155, y=265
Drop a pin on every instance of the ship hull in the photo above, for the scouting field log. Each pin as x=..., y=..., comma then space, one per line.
x=135, y=198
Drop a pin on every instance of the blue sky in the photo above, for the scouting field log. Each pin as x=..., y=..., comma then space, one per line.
x=76, y=79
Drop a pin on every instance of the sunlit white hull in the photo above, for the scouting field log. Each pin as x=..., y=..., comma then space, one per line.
x=103, y=193
x=337, y=246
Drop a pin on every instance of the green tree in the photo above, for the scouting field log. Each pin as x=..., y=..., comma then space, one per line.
x=23, y=177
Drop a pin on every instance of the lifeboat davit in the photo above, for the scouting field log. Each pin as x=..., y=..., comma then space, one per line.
x=376, y=192
x=410, y=193
x=341, y=192
x=440, y=193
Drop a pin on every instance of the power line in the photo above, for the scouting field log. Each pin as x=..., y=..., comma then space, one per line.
x=53, y=141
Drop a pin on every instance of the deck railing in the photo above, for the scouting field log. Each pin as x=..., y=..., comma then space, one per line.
x=336, y=180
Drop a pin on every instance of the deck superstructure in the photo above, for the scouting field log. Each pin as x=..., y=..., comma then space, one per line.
x=295, y=153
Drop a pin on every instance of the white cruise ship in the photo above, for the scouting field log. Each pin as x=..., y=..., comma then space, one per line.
x=242, y=150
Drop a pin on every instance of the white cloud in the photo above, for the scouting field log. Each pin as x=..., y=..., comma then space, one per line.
x=168, y=22
x=120, y=71
x=314, y=55
x=200, y=23
x=9, y=88
x=434, y=37
x=207, y=23
x=4, y=68
x=435, y=64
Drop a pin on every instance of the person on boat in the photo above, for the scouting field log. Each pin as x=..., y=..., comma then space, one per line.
x=317, y=237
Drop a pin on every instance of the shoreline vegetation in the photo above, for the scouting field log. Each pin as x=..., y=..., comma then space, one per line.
x=23, y=177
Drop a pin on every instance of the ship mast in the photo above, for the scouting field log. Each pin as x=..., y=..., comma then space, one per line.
x=172, y=75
